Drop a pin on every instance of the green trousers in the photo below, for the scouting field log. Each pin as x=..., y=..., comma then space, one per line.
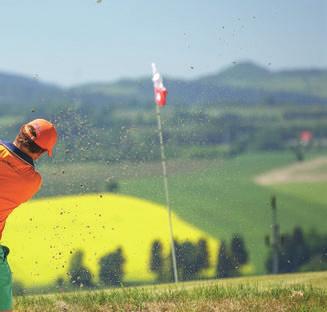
x=5, y=281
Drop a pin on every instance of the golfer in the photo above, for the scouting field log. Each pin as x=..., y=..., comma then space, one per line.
x=19, y=181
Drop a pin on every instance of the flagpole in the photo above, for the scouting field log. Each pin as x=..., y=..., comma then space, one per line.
x=164, y=171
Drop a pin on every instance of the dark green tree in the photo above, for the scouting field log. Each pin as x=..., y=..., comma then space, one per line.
x=111, y=185
x=188, y=261
x=239, y=252
x=191, y=259
x=80, y=275
x=317, y=244
x=112, y=268
x=293, y=252
x=156, y=259
x=300, y=249
x=225, y=264
x=202, y=259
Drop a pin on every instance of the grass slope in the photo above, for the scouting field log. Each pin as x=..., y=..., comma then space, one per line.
x=217, y=196
x=223, y=199
x=292, y=292
x=313, y=192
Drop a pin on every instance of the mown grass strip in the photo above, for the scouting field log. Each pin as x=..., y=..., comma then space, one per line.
x=141, y=299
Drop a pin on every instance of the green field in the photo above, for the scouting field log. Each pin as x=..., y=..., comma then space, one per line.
x=313, y=192
x=223, y=199
x=217, y=196
x=289, y=292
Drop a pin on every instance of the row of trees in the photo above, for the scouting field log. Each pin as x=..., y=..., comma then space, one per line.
x=297, y=251
x=231, y=258
x=111, y=271
x=114, y=137
x=192, y=259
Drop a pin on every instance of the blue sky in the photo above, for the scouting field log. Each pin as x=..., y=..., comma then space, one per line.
x=76, y=41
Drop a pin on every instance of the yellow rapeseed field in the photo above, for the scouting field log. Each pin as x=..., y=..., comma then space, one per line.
x=43, y=234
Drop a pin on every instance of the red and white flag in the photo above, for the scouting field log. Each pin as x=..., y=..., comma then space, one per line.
x=160, y=92
x=306, y=136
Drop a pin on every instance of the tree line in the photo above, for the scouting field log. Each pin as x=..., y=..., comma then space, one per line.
x=116, y=137
x=192, y=259
x=297, y=251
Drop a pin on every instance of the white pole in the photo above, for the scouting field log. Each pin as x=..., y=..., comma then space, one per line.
x=164, y=170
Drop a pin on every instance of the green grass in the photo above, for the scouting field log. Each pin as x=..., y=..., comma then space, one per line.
x=9, y=120
x=218, y=196
x=222, y=199
x=80, y=178
x=292, y=292
x=313, y=192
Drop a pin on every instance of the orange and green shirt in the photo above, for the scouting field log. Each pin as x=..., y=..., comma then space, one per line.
x=19, y=181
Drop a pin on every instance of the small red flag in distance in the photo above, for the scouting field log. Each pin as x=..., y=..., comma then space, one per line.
x=306, y=136
x=160, y=92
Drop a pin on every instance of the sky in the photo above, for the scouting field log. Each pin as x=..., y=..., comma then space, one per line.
x=70, y=42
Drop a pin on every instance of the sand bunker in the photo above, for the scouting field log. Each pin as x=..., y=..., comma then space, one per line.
x=308, y=171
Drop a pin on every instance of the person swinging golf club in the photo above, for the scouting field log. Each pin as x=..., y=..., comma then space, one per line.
x=19, y=182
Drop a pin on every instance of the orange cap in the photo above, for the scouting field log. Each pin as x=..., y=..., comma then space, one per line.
x=46, y=134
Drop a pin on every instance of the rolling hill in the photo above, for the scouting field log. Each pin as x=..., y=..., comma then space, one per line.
x=218, y=196
x=43, y=235
x=244, y=83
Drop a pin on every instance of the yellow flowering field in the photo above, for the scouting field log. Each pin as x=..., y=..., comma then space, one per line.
x=43, y=235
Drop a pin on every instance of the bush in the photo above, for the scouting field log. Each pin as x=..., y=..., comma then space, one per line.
x=80, y=276
x=112, y=268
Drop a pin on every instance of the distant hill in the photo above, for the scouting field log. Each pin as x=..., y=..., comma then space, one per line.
x=244, y=83
x=310, y=82
x=19, y=92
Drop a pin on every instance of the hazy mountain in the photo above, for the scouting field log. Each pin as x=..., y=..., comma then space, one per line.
x=244, y=83
x=20, y=94
x=249, y=75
